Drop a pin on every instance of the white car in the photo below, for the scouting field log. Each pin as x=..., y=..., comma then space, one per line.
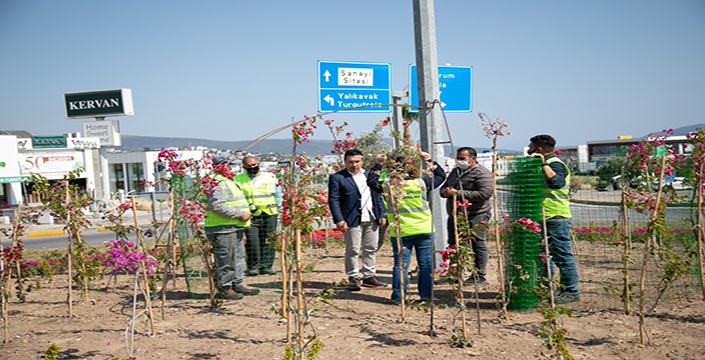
x=677, y=183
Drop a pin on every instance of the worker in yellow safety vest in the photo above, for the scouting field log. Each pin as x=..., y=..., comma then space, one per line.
x=556, y=203
x=226, y=219
x=263, y=197
x=406, y=192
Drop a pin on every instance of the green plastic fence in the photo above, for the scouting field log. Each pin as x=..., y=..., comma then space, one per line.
x=523, y=185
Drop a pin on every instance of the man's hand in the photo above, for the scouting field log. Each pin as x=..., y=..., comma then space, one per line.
x=540, y=156
x=342, y=226
x=246, y=216
x=382, y=221
x=449, y=192
x=381, y=158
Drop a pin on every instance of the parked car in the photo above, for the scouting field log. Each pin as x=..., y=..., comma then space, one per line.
x=678, y=183
x=632, y=182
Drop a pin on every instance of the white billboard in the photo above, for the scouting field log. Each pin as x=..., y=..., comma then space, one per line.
x=108, y=131
x=44, y=162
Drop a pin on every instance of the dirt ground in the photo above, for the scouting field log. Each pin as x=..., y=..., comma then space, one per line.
x=355, y=325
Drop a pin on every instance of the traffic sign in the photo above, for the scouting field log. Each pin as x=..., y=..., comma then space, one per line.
x=354, y=86
x=454, y=83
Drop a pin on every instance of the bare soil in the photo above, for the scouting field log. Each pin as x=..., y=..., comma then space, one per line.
x=355, y=325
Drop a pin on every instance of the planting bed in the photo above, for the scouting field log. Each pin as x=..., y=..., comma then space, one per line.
x=355, y=325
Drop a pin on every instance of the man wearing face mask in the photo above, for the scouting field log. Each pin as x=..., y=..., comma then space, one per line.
x=469, y=182
x=556, y=203
x=262, y=194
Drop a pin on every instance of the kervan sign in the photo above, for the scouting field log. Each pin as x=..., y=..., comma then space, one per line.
x=48, y=142
x=99, y=104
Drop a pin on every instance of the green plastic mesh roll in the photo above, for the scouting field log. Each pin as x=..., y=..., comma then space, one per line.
x=523, y=186
x=195, y=271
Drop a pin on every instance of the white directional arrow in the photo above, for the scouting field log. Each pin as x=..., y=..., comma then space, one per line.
x=329, y=99
x=327, y=76
x=443, y=104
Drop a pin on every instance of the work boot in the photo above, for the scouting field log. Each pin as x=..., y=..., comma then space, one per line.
x=267, y=272
x=471, y=281
x=241, y=289
x=564, y=298
x=230, y=294
x=354, y=284
x=373, y=282
x=252, y=272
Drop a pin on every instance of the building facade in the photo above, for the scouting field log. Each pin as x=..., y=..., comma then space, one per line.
x=49, y=156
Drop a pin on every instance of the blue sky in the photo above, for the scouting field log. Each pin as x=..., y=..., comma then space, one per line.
x=233, y=70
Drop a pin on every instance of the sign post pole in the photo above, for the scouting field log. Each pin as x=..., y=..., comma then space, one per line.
x=397, y=116
x=104, y=168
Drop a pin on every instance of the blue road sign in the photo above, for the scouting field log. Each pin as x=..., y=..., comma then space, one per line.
x=455, y=84
x=354, y=86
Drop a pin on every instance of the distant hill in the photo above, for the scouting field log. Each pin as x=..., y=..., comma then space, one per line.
x=314, y=147
x=140, y=143
x=680, y=131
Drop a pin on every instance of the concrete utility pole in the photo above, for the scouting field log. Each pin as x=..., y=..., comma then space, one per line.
x=430, y=116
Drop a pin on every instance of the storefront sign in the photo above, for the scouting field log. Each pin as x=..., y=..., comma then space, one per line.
x=108, y=131
x=10, y=179
x=48, y=142
x=54, y=161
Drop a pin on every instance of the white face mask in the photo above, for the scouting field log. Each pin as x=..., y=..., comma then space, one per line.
x=463, y=164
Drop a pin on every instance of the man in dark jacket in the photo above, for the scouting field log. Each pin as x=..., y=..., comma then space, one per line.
x=470, y=185
x=357, y=213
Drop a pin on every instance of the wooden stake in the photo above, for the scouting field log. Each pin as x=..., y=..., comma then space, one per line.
x=301, y=316
x=169, y=256
x=627, y=237
x=699, y=235
x=647, y=249
x=548, y=258
x=140, y=248
x=397, y=235
x=20, y=289
x=498, y=242
x=69, y=256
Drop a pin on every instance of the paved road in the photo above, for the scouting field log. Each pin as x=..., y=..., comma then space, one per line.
x=90, y=236
x=52, y=236
x=602, y=208
x=583, y=214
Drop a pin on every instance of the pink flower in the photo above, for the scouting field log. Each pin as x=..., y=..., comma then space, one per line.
x=531, y=225
x=465, y=203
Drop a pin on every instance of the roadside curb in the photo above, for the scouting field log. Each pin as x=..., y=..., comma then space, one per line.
x=45, y=233
x=31, y=234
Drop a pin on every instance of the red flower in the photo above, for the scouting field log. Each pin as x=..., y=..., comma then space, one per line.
x=385, y=122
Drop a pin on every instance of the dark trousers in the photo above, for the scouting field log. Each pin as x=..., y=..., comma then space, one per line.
x=479, y=245
x=260, y=256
